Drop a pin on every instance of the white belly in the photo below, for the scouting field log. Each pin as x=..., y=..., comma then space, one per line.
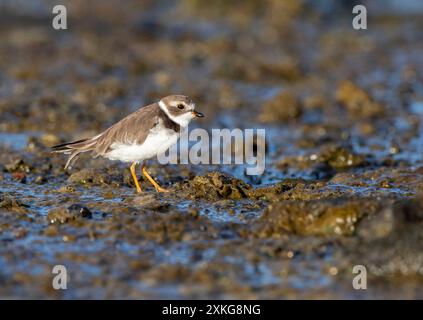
x=155, y=143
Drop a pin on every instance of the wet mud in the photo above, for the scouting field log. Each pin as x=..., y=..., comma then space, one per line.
x=343, y=183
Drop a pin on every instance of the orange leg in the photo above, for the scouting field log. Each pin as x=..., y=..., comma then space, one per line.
x=134, y=176
x=154, y=183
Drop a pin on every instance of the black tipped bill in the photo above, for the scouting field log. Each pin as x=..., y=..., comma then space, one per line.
x=197, y=114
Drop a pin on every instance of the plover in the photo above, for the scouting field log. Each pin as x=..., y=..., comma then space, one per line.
x=139, y=136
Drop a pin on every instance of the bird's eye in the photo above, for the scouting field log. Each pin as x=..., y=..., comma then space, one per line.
x=181, y=106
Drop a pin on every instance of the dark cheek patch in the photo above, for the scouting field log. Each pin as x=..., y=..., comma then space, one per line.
x=174, y=111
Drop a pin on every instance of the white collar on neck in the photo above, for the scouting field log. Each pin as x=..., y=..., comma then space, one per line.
x=183, y=120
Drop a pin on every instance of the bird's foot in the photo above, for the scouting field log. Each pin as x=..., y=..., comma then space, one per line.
x=160, y=189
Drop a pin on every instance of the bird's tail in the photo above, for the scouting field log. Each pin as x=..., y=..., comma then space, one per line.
x=74, y=149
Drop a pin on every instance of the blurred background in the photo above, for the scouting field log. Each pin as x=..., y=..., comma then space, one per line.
x=342, y=109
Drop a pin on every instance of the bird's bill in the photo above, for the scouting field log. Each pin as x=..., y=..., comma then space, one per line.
x=197, y=114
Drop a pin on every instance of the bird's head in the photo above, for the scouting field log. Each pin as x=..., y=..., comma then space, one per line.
x=179, y=109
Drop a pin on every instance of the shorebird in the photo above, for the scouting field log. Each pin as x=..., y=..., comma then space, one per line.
x=139, y=136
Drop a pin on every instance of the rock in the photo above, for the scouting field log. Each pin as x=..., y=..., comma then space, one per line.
x=358, y=103
x=49, y=139
x=64, y=215
x=217, y=185
x=33, y=144
x=378, y=226
x=395, y=219
x=339, y=157
x=283, y=107
x=327, y=217
x=7, y=202
x=77, y=209
x=40, y=180
x=18, y=165
x=150, y=201
x=19, y=176
x=90, y=176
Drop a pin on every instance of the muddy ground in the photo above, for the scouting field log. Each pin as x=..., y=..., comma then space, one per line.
x=343, y=182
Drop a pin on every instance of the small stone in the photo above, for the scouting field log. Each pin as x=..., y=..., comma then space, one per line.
x=333, y=271
x=40, y=180
x=68, y=238
x=18, y=165
x=64, y=215
x=19, y=176
x=66, y=189
x=339, y=157
x=77, y=209
x=49, y=140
